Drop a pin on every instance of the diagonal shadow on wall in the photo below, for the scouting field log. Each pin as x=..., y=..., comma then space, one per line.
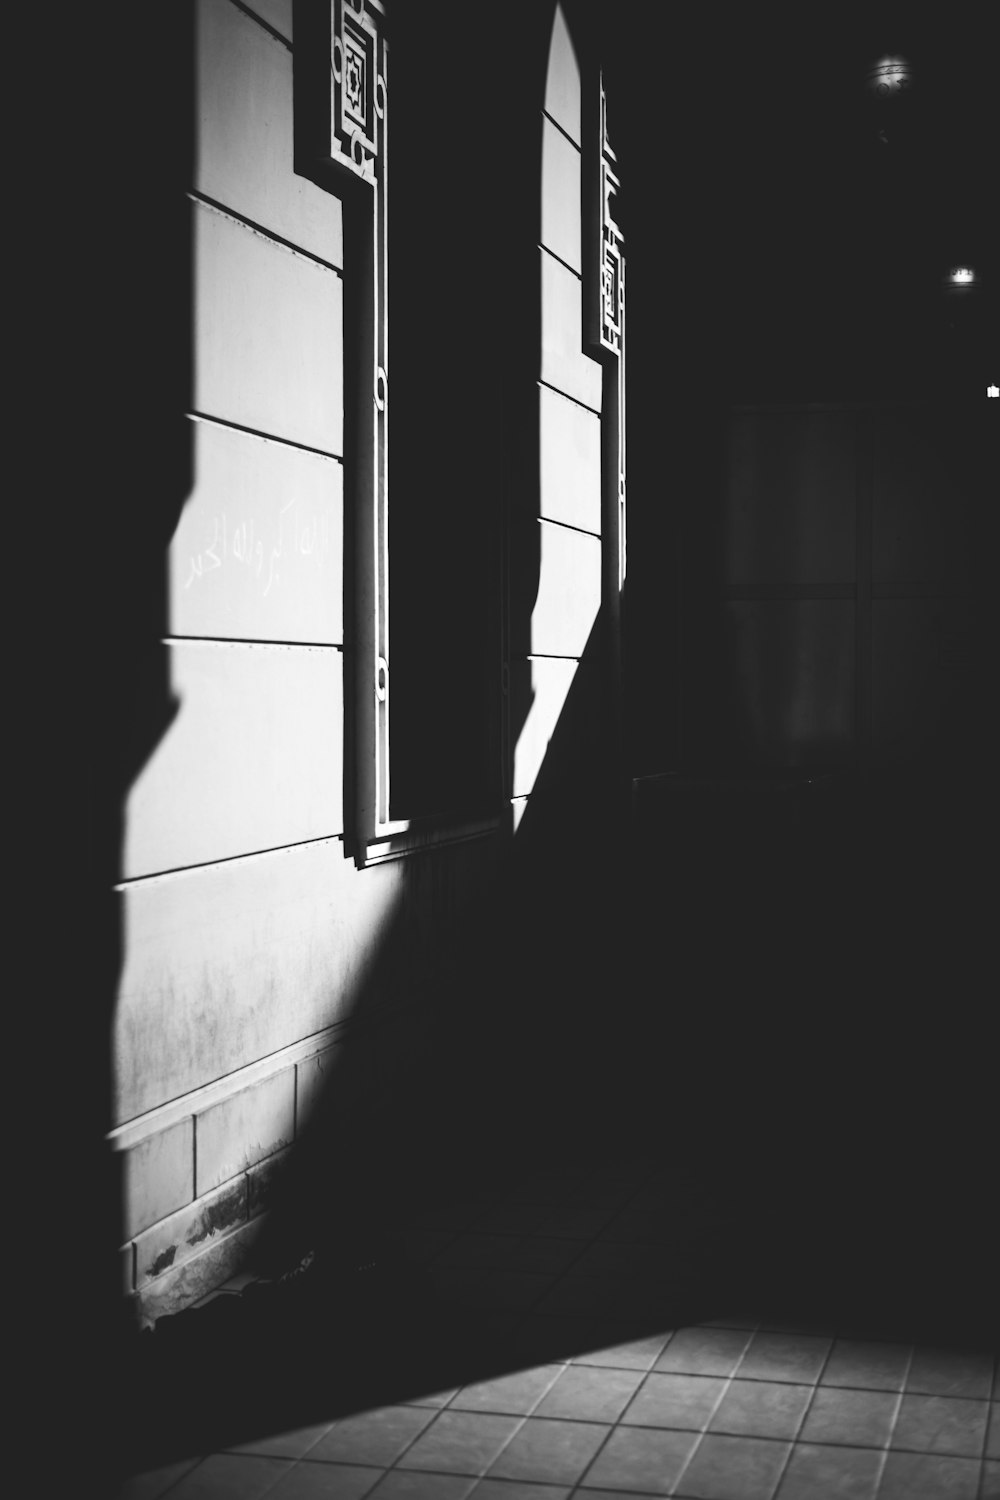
x=519, y=1006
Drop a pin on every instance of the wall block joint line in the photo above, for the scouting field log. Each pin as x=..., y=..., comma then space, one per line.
x=265, y=437
x=132, y=1132
x=547, y=385
x=264, y=233
x=564, y=133
x=547, y=250
x=272, y=31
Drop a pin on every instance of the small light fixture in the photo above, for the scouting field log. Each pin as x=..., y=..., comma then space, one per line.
x=993, y=390
x=961, y=294
x=889, y=77
x=888, y=85
x=961, y=280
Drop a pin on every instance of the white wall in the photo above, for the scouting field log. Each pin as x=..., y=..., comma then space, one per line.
x=249, y=934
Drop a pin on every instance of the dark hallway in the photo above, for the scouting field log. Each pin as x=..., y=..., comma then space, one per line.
x=610, y=1110
x=739, y=1247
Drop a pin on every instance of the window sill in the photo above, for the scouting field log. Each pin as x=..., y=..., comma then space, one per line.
x=410, y=836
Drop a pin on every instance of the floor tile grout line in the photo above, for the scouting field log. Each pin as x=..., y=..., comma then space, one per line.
x=637, y=1426
x=800, y=1427
x=175, y=1482
x=587, y=1243
x=576, y=1490
x=541, y=1398
x=757, y=1437
x=708, y=1421
x=520, y=1238
x=894, y=1419
x=576, y=1487
x=485, y=1411
x=415, y=1439
x=863, y=1390
x=980, y=1487
x=283, y=1476
x=612, y=1429
x=572, y=1270
x=425, y=1430
x=847, y=1446
x=504, y=1446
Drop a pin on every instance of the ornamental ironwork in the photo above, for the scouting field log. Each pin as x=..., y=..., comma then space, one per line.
x=358, y=84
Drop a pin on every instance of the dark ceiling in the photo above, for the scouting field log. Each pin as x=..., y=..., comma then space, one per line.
x=776, y=244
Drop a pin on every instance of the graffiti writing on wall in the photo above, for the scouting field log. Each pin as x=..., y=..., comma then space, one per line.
x=245, y=545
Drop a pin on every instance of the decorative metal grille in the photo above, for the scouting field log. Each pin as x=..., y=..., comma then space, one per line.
x=612, y=304
x=357, y=68
x=350, y=139
x=612, y=245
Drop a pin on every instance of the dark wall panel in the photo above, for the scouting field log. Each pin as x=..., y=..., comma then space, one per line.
x=924, y=677
x=772, y=683
x=921, y=500
x=788, y=503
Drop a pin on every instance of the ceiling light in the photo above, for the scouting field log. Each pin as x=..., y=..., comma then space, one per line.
x=889, y=77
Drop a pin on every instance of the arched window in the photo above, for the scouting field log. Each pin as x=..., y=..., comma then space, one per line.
x=567, y=534
x=478, y=315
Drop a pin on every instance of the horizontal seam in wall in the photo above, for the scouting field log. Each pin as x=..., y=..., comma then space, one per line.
x=265, y=25
x=791, y=408
x=567, y=526
x=264, y=233
x=265, y=437
x=162, y=1278
x=213, y=864
x=780, y=592
x=233, y=640
x=559, y=260
x=930, y=591
x=546, y=385
x=562, y=131
x=150, y=1289
x=198, y=1101
x=411, y=839
x=200, y=1200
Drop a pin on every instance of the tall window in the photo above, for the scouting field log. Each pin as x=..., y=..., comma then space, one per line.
x=447, y=225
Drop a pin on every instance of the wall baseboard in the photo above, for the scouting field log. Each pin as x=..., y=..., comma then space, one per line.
x=178, y=1288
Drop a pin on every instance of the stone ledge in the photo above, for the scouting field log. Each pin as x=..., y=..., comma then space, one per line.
x=178, y=1288
x=183, y=1235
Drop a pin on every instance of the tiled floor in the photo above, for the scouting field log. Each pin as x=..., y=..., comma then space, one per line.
x=577, y=1334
